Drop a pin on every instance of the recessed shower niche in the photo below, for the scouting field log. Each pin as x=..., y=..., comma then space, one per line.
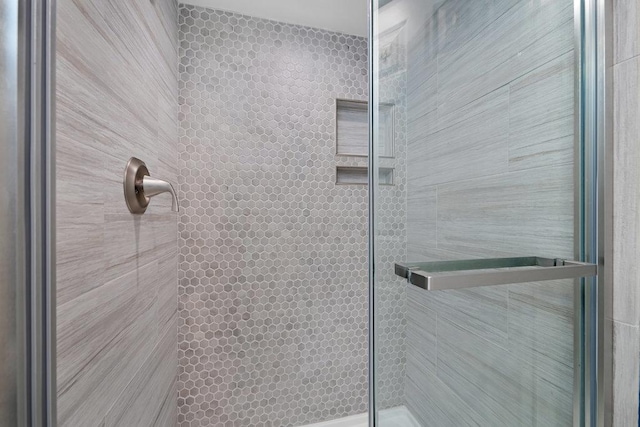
x=360, y=175
x=352, y=140
x=352, y=128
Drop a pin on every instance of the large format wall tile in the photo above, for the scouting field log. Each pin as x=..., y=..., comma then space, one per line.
x=526, y=47
x=626, y=30
x=143, y=399
x=507, y=47
x=443, y=407
x=625, y=373
x=626, y=152
x=623, y=315
x=95, y=331
x=422, y=214
x=116, y=272
x=541, y=327
x=475, y=146
x=421, y=335
x=541, y=116
x=490, y=133
x=509, y=214
x=503, y=390
x=483, y=311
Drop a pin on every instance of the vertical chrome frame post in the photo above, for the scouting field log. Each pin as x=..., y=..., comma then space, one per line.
x=33, y=204
x=585, y=199
x=373, y=187
x=593, y=208
x=41, y=123
x=579, y=356
x=13, y=313
x=604, y=139
x=27, y=391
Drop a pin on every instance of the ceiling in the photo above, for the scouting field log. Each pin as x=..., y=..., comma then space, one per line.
x=344, y=16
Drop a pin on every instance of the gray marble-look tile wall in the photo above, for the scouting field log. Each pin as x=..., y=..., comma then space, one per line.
x=490, y=131
x=116, y=273
x=624, y=317
x=273, y=254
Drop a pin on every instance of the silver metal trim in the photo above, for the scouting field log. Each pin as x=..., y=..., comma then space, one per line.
x=595, y=184
x=51, y=387
x=139, y=187
x=604, y=220
x=589, y=203
x=593, y=34
x=29, y=398
x=462, y=274
x=589, y=93
x=13, y=155
x=579, y=356
x=40, y=70
x=373, y=181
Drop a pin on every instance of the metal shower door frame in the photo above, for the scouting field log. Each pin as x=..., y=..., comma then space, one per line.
x=27, y=236
x=593, y=160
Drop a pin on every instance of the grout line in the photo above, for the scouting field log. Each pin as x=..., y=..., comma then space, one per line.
x=635, y=57
x=623, y=323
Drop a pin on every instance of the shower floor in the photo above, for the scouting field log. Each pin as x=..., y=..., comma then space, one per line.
x=393, y=417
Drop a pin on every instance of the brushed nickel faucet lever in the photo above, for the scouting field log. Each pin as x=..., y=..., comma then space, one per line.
x=139, y=187
x=152, y=187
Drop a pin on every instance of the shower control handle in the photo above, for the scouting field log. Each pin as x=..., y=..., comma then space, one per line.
x=139, y=187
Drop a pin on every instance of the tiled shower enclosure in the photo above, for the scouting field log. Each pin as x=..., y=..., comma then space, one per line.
x=267, y=325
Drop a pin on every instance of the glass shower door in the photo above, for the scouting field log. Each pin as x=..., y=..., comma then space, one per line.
x=475, y=269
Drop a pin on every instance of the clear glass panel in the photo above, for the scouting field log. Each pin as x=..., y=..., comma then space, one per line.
x=483, y=166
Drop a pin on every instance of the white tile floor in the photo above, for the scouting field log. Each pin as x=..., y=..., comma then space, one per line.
x=393, y=417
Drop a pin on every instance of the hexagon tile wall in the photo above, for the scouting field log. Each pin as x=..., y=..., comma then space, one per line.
x=273, y=254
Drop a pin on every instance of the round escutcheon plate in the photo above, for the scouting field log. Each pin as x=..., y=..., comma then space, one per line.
x=135, y=171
